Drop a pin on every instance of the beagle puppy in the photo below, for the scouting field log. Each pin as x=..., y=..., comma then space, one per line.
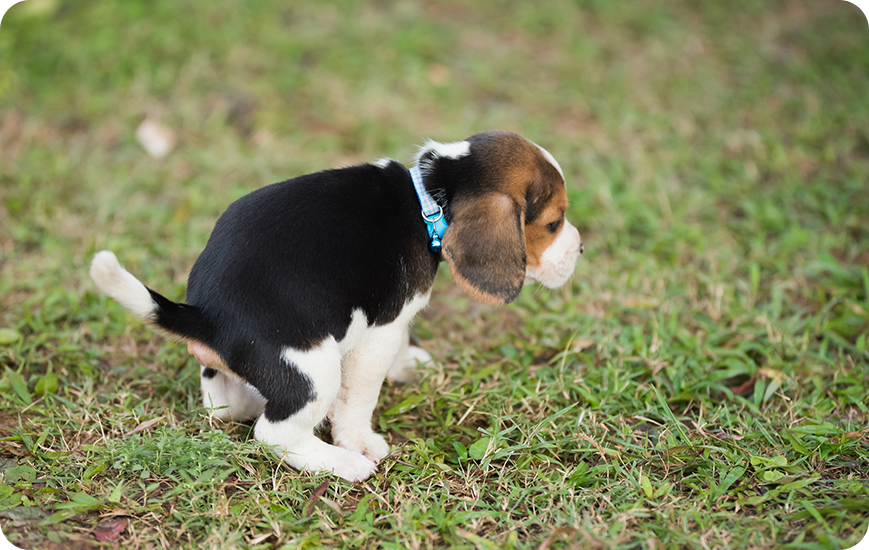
x=299, y=305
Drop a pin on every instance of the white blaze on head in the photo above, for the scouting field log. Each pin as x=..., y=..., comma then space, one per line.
x=454, y=150
x=548, y=156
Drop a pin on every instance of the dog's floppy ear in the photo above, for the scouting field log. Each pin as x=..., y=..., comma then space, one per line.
x=484, y=247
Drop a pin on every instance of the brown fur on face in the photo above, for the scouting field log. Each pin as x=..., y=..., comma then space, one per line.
x=539, y=234
x=495, y=236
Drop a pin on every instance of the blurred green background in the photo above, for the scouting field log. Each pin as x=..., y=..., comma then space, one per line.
x=717, y=157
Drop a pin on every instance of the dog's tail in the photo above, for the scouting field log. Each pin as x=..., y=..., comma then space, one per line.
x=181, y=320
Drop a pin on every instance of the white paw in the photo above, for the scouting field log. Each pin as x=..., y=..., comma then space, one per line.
x=373, y=446
x=311, y=454
x=351, y=466
x=404, y=368
x=318, y=456
x=419, y=355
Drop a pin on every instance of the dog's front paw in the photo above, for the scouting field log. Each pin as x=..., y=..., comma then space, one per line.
x=352, y=466
x=372, y=446
x=317, y=456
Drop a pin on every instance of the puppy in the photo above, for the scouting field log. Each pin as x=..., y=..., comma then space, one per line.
x=299, y=305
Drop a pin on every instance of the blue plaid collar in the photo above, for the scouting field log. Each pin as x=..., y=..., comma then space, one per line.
x=432, y=212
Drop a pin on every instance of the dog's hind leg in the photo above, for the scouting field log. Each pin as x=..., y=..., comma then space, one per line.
x=300, y=394
x=404, y=368
x=229, y=398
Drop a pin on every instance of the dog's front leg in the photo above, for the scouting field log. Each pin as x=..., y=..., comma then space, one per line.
x=362, y=372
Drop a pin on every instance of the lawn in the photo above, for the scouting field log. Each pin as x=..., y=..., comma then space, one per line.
x=702, y=382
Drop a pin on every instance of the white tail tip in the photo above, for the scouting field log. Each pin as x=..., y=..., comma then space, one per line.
x=119, y=284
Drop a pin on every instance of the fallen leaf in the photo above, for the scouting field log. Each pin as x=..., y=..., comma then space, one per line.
x=745, y=387
x=579, y=345
x=144, y=426
x=315, y=496
x=109, y=530
x=158, y=140
x=724, y=436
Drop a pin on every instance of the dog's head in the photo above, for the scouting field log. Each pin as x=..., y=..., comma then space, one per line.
x=505, y=200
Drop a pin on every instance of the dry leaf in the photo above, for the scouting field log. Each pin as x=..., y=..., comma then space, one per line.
x=579, y=345
x=144, y=426
x=158, y=140
x=315, y=496
x=109, y=530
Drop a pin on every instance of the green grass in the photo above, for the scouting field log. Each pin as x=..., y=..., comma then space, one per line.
x=702, y=382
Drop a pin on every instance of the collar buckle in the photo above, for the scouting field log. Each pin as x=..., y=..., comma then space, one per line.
x=432, y=212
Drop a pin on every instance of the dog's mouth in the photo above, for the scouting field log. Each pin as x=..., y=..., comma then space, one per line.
x=558, y=261
x=554, y=275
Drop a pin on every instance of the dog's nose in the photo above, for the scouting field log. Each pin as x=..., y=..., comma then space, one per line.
x=581, y=247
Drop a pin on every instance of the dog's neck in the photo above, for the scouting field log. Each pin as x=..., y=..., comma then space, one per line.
x=432, y=212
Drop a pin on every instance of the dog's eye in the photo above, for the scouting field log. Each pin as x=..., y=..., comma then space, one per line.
x=553, y=227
